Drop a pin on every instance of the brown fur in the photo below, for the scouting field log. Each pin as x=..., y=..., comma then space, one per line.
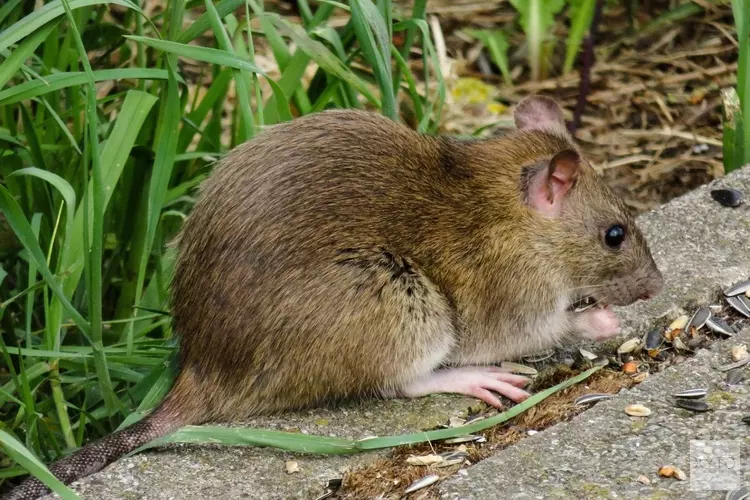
x=343, y=255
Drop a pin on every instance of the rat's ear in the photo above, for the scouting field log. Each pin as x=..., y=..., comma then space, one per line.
x=537, y=112
x=547, y=188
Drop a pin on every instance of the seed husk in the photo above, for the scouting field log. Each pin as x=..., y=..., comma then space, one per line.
x=737, y=289
x=637, y=410
x=732, y=366
x=738, y=305
x=643, y=479
x=739, y=352
x=746, y=419
x=422, y=483
x=692, y=394
x=692, y=405
x=588, y=354
x=699, y=319
x=539, y=357
x=653, y=339
x=666, y=471
x=629, y=346
x=738, y=494
x=591, y=398
x=424, y=460
x=727, y=197
x=462, y=439
x=518, y=368
x=456, y=422
x=292, y=467
x=718, y=325
x=679, y=323
x=734, y=377
x=679, y=475
x=452, y=458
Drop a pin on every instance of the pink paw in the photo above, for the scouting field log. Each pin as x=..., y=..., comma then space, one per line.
x=598, y=324
x=475, y=381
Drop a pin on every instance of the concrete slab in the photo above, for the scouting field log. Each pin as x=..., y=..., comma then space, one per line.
x=700, y=246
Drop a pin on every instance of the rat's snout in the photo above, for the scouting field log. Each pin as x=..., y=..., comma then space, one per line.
x=650, y=282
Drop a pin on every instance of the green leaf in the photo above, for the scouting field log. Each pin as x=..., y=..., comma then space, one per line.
x=205, y=54
x=57, y=81
x=40, y=17
x=582, y=12
x=18, y=452
x=497, y=45
x=537, y=18
x=11, y=64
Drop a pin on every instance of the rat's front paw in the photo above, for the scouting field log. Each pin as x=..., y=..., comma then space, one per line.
x=598, y=324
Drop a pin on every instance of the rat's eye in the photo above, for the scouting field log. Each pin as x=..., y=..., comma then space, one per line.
x=614, y=236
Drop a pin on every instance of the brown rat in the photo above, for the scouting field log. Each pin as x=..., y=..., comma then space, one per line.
x=344, y=255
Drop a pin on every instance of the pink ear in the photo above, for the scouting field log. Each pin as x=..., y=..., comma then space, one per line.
x=538, y=112
x=549, y=186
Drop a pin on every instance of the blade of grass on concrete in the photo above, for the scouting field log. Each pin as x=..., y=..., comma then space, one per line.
x=18, y=452
x=301, y=443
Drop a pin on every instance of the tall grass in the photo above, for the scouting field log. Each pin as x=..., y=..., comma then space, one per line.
x=736, y=150
x=107, y=125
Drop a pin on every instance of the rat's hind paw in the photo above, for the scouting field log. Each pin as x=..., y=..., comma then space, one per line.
x=477, y=381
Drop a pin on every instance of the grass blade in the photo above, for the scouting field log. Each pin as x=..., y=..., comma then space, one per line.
x=582, y=13
x=11, y=64
x=497, y=45
x=18, y=452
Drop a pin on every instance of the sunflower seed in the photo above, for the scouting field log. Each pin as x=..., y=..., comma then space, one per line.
x=727, y=197
x=424, y=460
x=737, y=289
x=588, y=354
x=518, y=368
x=334, y=483
x=539, y=357
x=462, y=439
x=422, y=483
x=692, y=405
x=738, y=352
x=734, y=377
x=629, y=346
x=452, y=458
x=717, y=325
x=732, y=366
x=591, y=398
x=692, y=394
x=653, y=339
x=738, y=494
x=456, y=422
x=746, y=419
x=679, y=323
x=738, y=305
x=698, y=319
x=637, y=411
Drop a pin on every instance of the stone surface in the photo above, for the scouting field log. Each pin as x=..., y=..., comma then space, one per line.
x=701, y=248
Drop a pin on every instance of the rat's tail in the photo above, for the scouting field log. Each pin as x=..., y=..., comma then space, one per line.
x=98, y=454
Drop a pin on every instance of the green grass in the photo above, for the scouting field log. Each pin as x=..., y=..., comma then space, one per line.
x=96, y=180
x=737, y=101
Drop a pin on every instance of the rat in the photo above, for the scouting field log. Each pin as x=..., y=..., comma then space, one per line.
x=344, y=255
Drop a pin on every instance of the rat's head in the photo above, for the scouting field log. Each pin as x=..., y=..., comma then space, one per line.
x=594, y=235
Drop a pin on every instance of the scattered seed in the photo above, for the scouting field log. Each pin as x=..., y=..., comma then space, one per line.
x=462, y=472
x=653, y=339
x=738, y=494
x=727, y=197
x=424, y=460
x=640, y=377
x=679, y=344
x=718, y=325
x=746, y=419
x=456, y=422
x=692, y=405
x=630, y=367
x=462, y=439
x=591, y=398
x=643, y=479
x=679, y=475
x=292, y=467
x=328, y=494
x=452, y=458
x=335, y=483
x=739, y=352
x=738, y=364
x=679, y=323
x=699, y=318
x=692, y=394
x=629, y=346
x=518, y=368
x=588, y=354
x=475, y=418
x=422, y=483
x=666, y=471
x=532, y=432
x=738, y=305
x=737, y=289
x=539, y=357
x=734, y=377
x=637, y=410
